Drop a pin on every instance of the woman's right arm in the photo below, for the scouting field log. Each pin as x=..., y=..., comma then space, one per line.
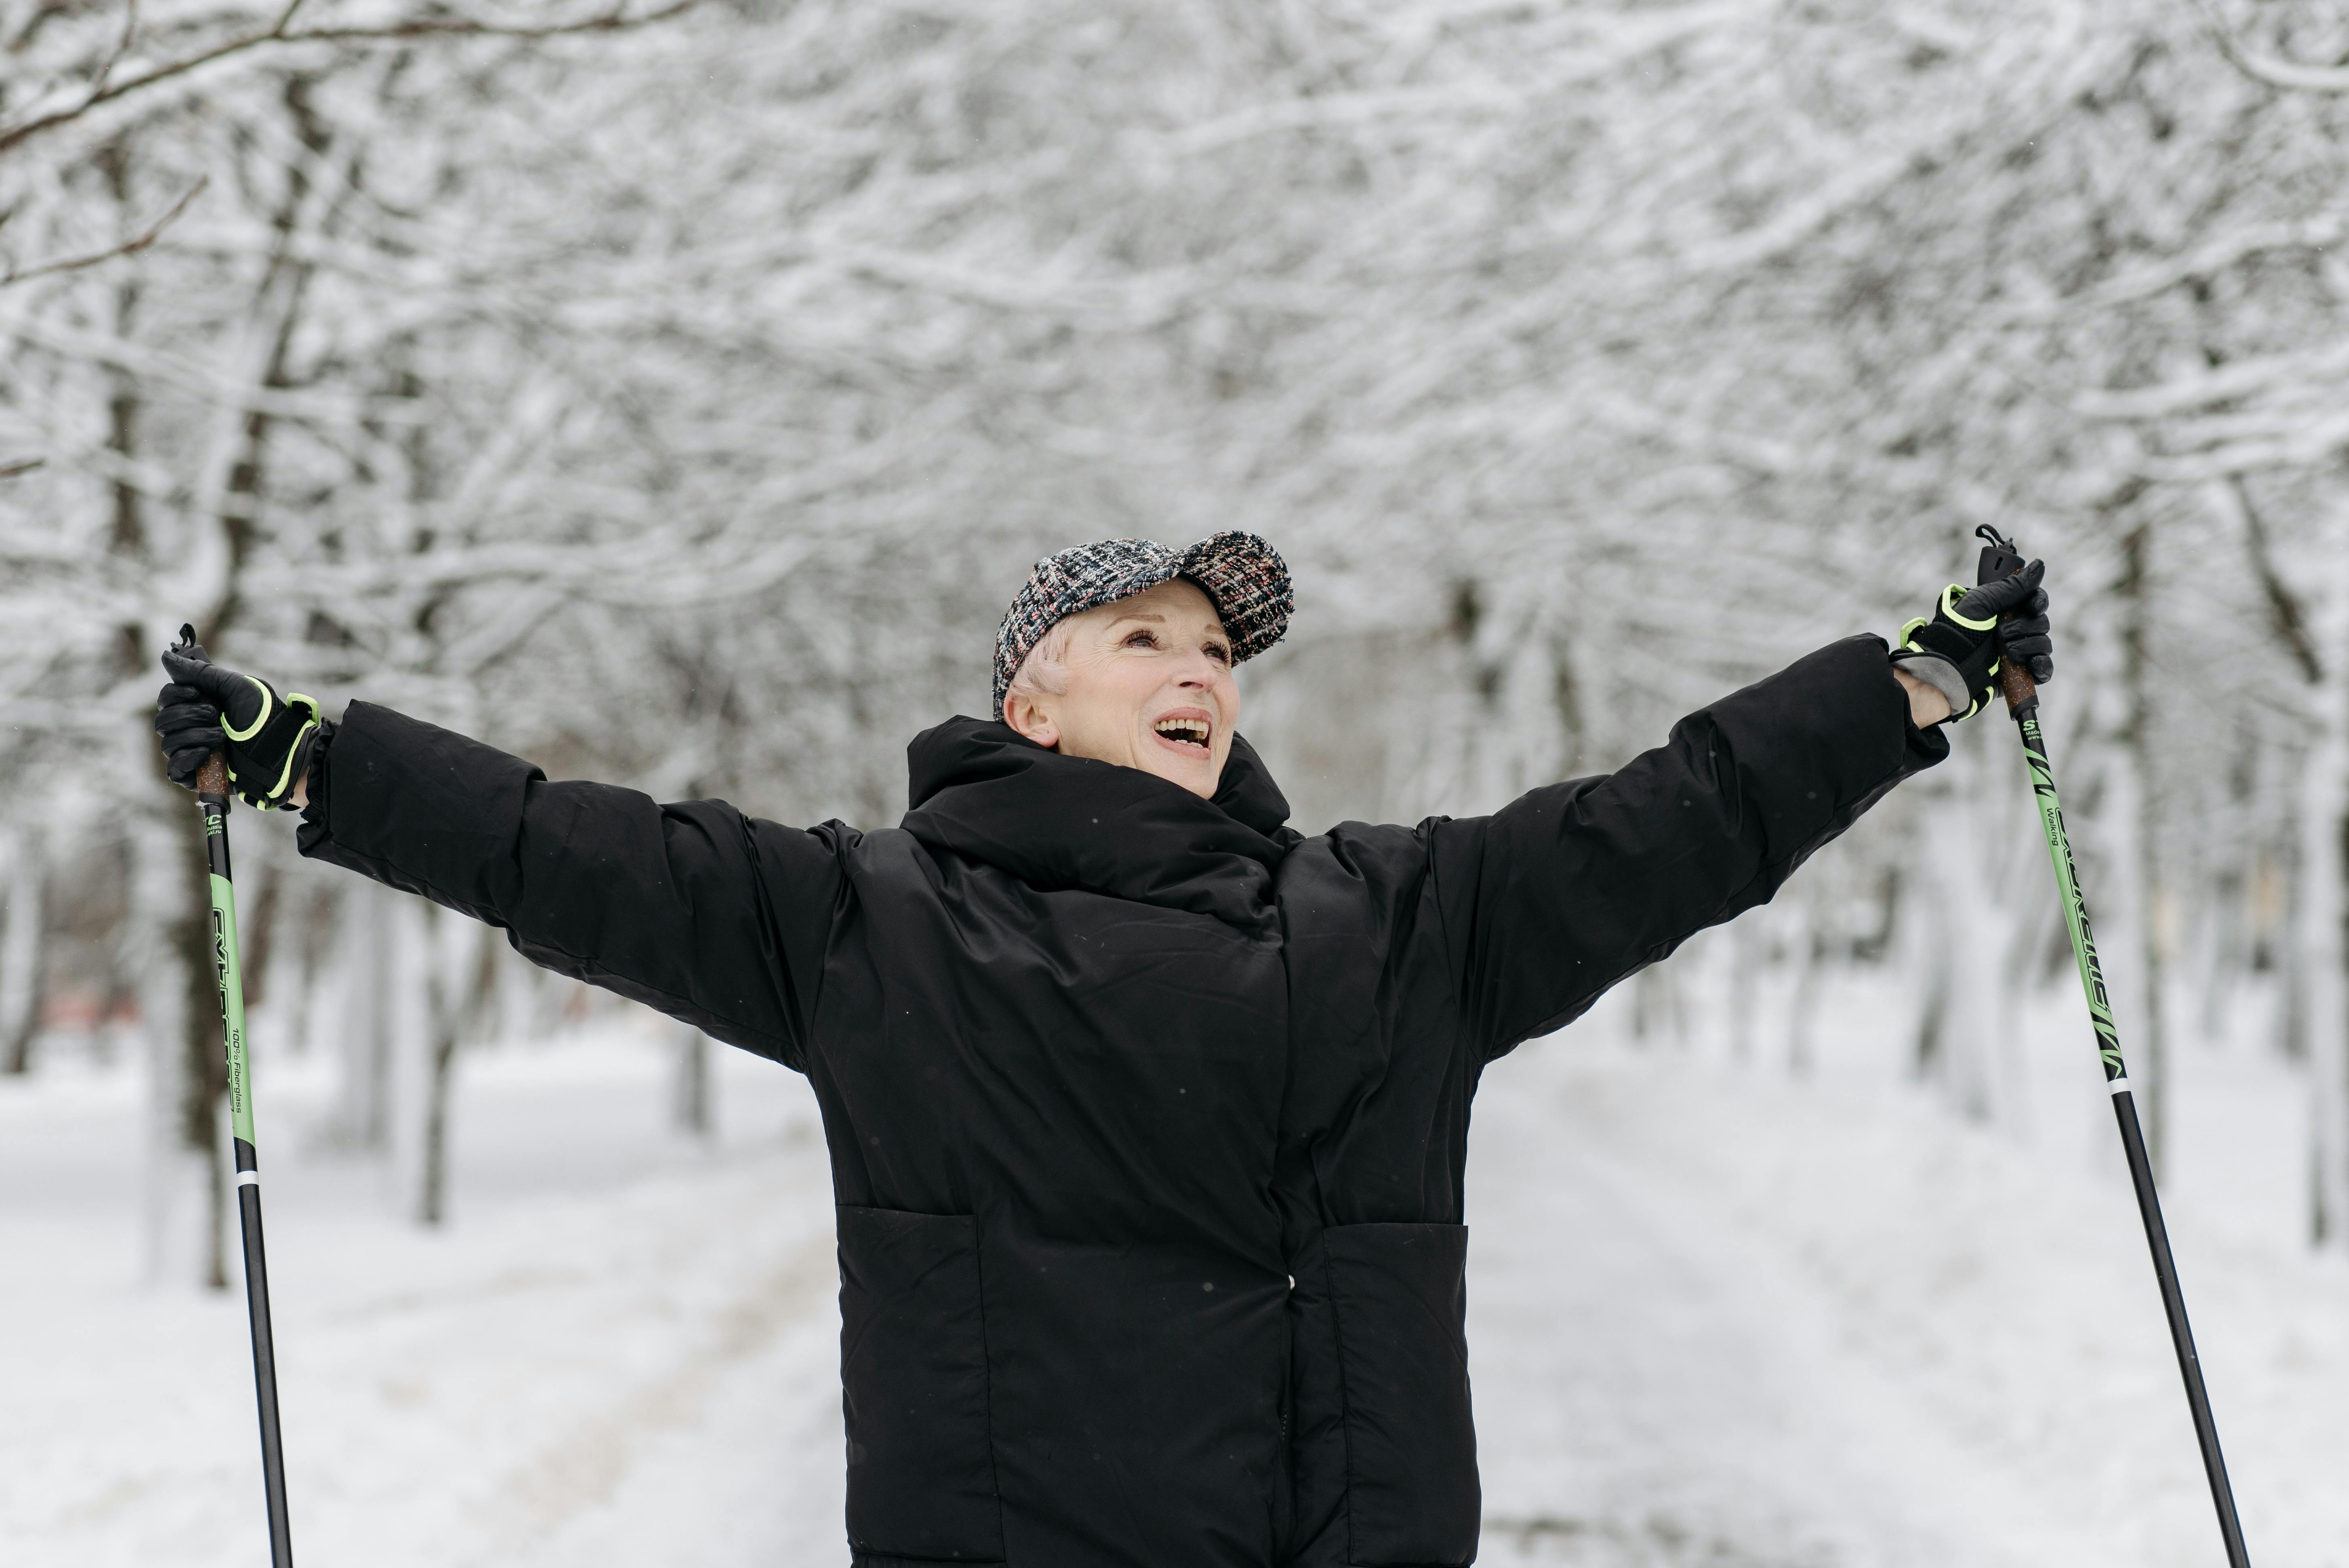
x=695, y=909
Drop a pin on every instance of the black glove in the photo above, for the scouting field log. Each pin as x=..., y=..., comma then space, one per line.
x=268, y=737
x=1957, y=649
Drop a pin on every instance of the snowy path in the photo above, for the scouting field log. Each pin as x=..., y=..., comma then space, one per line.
x=1716, y=1320
x=1658, y=1386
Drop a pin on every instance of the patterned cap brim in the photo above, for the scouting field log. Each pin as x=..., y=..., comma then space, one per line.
x=1250, y=586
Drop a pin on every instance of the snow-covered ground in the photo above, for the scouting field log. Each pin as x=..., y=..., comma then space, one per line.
x=1718, y=1318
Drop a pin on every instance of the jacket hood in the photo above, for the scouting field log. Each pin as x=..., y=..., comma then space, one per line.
x=986, y=792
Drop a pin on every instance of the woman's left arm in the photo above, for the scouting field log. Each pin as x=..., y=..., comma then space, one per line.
x=1575, y=886
x=1548, y=902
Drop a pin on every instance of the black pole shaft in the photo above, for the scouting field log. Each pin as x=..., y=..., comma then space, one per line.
x=213, y=802
x=2181, y=1333
x=2023, y=703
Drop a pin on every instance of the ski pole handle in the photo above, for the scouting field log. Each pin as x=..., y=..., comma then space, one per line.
x=2001, y=559
x=211, y=778
x=2014, y=680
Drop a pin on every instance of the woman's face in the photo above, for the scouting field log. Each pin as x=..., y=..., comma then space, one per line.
x=1149, y=686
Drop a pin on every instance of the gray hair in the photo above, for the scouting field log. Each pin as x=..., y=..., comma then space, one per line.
x=1045, y=671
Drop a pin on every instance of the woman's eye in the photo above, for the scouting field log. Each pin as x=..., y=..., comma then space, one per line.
x=1142, y=640
x=1220, y=655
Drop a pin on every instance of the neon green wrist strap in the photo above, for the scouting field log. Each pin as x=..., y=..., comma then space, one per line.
x=249, y=731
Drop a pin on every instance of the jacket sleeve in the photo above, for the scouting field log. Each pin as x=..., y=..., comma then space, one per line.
x=1575, y=886
x=711, y=916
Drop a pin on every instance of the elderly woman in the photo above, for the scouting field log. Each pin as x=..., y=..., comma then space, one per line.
x=1147, y=1113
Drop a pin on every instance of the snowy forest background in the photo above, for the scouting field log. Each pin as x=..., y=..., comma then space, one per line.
x=675, y=393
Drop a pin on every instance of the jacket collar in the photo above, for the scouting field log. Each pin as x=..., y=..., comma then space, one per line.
x=986, y=792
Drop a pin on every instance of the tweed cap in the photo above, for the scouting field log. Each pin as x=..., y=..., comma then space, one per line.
x=1244, y=577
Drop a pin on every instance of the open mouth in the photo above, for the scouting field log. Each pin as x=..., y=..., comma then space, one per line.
x=1187, y=733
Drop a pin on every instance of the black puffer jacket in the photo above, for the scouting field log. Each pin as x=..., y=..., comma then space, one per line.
x=1147, y=1116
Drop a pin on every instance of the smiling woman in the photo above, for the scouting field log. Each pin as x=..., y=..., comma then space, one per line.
x=1148, y=1114
x=1144, y=682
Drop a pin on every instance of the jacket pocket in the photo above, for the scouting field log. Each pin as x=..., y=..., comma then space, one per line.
x=913, y=1372
x=1400, y=1292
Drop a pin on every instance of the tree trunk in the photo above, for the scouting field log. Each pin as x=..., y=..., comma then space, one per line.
x=256, y=931
x=2035, y=927
x=1956, y=1039
x=1802, y=1010
x=20, y=951
x=361, y=1119
x=2316, y=1009
x=694, y=1110
x=151, y=954
x=433, y=1201
x=204, y=1046
x=2322, y=948
x=1746, y=940
x=1653, y=1003
x=1926, y=1060
x=2149, y=1052
x=463, y=957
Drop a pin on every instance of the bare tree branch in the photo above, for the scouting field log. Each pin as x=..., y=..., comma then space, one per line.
x=2317, y=234
x=10, y=469
x=2286, y=73
x=121, y=45
x=2290, y=75
x=2244, y=379
x=130, y=247
x=2285, y=615
x=280, y=32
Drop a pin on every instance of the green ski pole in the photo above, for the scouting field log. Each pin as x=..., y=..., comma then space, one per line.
x=2001, y=558
x=212, y=801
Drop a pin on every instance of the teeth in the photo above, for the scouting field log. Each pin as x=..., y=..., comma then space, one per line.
x=1194, y=730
